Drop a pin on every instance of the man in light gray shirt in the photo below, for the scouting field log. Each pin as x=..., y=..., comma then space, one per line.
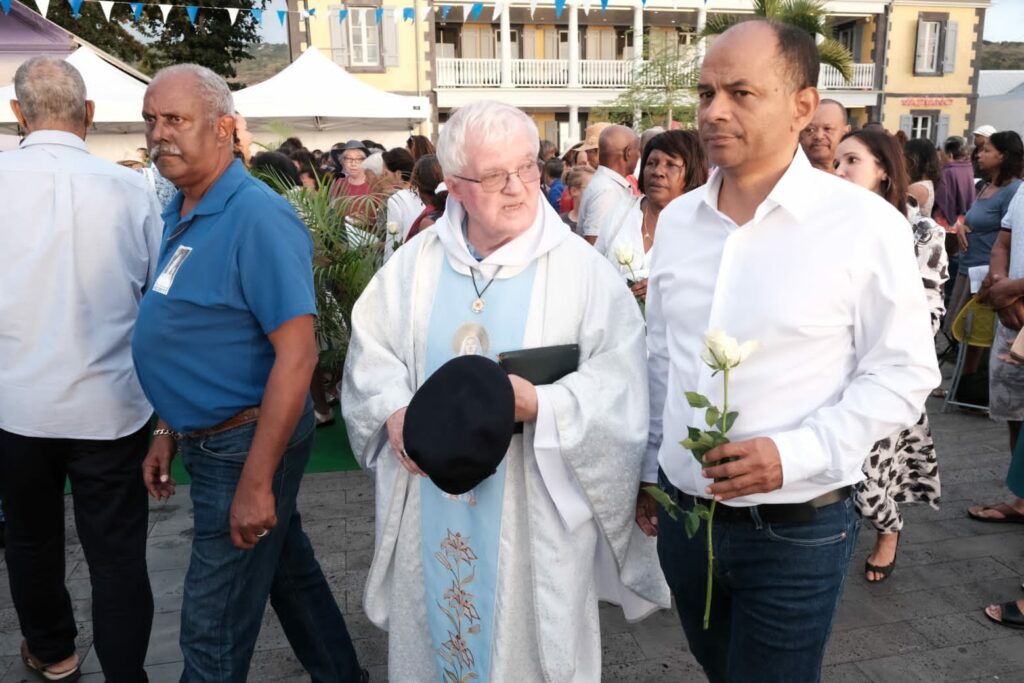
x=81, y=237
x=619, y=150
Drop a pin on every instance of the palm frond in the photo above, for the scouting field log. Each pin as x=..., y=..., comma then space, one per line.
x=808, y=15
x=833, y=53
x=768, y=9
x=719, y=23
x=348, y=236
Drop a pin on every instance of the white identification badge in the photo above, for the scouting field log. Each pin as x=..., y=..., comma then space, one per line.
x=166, y=279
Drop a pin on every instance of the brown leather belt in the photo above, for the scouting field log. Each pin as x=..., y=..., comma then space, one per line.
x=247, y=416
x=780, y=513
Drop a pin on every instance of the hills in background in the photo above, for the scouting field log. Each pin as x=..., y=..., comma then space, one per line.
x=1002, y=55
x=267, y=60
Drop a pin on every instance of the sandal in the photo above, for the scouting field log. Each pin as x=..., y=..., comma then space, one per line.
x=1009, y=615
x=1009, y=514
x=884, y=571
x=46, y=670
x=324, y=419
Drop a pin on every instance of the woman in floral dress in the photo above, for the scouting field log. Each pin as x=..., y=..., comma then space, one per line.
x=901, y=468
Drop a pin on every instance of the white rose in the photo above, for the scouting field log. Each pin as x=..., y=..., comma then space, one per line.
x=722, y=352
x=624, y=255
x=392, y=228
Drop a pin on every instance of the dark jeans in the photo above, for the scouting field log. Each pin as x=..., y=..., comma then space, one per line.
x=111, y=516
x=226, y=589
x=776, y=590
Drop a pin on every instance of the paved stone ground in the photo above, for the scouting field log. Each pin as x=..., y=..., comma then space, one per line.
x=924, y=624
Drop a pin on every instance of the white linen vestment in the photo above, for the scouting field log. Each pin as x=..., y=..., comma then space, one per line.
x=567, y=531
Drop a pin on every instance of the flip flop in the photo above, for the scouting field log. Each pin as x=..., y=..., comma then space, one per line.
x=1009, y=514
x=46, y=670
x=1009, y=616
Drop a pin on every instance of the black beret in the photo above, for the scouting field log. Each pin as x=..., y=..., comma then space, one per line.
x=459, y=424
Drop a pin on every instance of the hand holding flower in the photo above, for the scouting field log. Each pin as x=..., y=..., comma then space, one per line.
x=742, y=468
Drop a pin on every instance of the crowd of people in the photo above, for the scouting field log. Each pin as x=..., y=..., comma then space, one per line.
x=169, y=311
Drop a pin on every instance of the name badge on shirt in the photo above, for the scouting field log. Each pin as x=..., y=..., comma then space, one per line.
x=166, y=279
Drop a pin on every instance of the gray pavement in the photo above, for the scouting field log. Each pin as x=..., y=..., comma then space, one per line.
x=924, y=624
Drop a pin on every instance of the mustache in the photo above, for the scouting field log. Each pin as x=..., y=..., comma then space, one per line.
x=157, y=151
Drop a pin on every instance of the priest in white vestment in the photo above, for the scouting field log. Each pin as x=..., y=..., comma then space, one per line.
x=502, y=583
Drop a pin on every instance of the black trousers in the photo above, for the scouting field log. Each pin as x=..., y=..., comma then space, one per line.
x=111, y=516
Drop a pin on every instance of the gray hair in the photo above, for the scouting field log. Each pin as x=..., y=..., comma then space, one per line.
x=486, y=122
x=49, y=90
x=212, y=89
x=374, y=163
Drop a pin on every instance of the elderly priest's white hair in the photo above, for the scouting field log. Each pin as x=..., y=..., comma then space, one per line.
x=486, y=122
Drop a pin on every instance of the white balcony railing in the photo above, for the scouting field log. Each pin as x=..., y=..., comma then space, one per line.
x=594, y=73
x=468, y=73
x=863, y=78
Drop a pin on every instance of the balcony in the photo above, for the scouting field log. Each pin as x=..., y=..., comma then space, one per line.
x=594, y=74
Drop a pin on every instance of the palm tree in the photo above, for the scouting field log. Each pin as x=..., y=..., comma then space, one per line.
x=806, y=14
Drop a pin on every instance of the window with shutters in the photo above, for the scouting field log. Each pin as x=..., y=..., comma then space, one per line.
x=935, y=52
x=921, y=127
x=363, y=36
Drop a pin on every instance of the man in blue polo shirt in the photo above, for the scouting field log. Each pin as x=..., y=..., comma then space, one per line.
x=224, y=350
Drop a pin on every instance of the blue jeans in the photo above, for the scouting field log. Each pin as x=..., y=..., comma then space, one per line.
x=776, y=590
x=226, y=589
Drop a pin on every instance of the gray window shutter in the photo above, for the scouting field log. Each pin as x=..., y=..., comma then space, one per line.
x=339, y=35
x=389, y=47
x=858, y=41
x=906, y=123
x=942, y=130
x=949, y=50
x=920, y=58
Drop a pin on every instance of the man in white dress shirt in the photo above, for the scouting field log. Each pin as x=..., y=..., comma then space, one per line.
x=81, y=237
x=820, y=273
x=619, y=150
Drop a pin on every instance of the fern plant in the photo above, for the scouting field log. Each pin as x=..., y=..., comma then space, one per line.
x=808, y=15
x=348, y=240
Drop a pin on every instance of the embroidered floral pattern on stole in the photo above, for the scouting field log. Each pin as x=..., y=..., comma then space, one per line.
x=458, y=558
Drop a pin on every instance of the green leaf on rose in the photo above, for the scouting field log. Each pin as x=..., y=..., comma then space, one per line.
x=729, y=419
x=697, y=400
x=693, y=433
x=691, y=523
x=712, y=416
x=672, y=508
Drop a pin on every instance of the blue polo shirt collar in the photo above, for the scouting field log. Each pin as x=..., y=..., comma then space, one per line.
x=215, y=199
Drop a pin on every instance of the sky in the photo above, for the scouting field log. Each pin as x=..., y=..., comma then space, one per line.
x=272, y=30
x=1004, y=21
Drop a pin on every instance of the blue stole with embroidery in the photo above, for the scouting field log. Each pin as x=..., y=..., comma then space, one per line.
x=460, y=535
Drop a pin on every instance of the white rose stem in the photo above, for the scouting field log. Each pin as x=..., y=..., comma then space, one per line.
x=711, y=510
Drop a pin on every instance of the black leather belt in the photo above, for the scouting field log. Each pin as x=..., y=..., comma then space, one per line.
x=780, y=513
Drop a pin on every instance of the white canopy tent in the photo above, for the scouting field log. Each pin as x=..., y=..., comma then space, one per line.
x=117, y=126
x=118, y=95
x=315, y=95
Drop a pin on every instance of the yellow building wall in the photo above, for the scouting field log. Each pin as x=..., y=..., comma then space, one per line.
x=903, y=47
x=867, y=44
x=958, y=111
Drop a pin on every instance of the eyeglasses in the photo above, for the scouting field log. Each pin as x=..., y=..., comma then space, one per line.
x=352, y=160
x=495, y=181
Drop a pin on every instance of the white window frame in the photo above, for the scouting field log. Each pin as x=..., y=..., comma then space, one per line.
x=362, y=25
x=921, y=126
x=929, y=60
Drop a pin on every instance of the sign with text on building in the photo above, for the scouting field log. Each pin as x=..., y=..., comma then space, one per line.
x=926, y=101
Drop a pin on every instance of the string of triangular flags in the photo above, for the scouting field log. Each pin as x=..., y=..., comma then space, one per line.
x=471, y=12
